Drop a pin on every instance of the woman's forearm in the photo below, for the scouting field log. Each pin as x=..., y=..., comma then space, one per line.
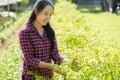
x=44, y=65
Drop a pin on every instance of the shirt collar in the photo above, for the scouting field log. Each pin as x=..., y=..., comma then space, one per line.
x=32, y=28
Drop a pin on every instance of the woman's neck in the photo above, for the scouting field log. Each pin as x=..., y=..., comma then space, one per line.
x=39, y=28
x=37, y=25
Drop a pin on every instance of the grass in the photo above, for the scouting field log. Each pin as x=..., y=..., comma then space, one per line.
x=107, y=23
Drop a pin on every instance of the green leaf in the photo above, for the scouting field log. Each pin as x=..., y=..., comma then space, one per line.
x=25, y=1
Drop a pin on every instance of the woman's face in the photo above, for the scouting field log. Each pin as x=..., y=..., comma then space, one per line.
x=44, y=16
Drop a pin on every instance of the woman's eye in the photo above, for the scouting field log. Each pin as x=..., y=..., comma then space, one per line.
x=50, y=14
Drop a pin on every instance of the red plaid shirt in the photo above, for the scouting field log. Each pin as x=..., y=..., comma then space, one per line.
x=35, y=49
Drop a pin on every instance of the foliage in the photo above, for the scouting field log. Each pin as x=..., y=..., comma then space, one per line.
x=20, y=21
x=10, y=63
x=26, y=1
x=91, y=57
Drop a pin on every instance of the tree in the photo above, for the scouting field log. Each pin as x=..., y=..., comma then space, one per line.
x=115, y=5
x=74, y=1
x=31, y=2
x=107, y=5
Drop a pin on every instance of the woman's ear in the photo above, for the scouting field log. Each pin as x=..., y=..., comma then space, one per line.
x=35, y=11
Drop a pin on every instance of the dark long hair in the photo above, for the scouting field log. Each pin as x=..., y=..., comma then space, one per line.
x=39, y=6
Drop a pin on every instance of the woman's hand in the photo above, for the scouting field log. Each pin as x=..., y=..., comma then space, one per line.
x=55, y=67
x=64, y=60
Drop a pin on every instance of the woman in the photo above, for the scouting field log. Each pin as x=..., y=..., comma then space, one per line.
x=38, y=42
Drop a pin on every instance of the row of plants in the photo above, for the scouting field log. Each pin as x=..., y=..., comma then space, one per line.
x=6, y=22
x=19, y=22
x=11, y=63
x=91, y=57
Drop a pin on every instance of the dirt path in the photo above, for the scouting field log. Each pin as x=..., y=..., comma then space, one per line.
x=9, y=41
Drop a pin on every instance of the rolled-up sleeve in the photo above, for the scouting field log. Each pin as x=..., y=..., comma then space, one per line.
x=56, y=57
x=27, y=49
